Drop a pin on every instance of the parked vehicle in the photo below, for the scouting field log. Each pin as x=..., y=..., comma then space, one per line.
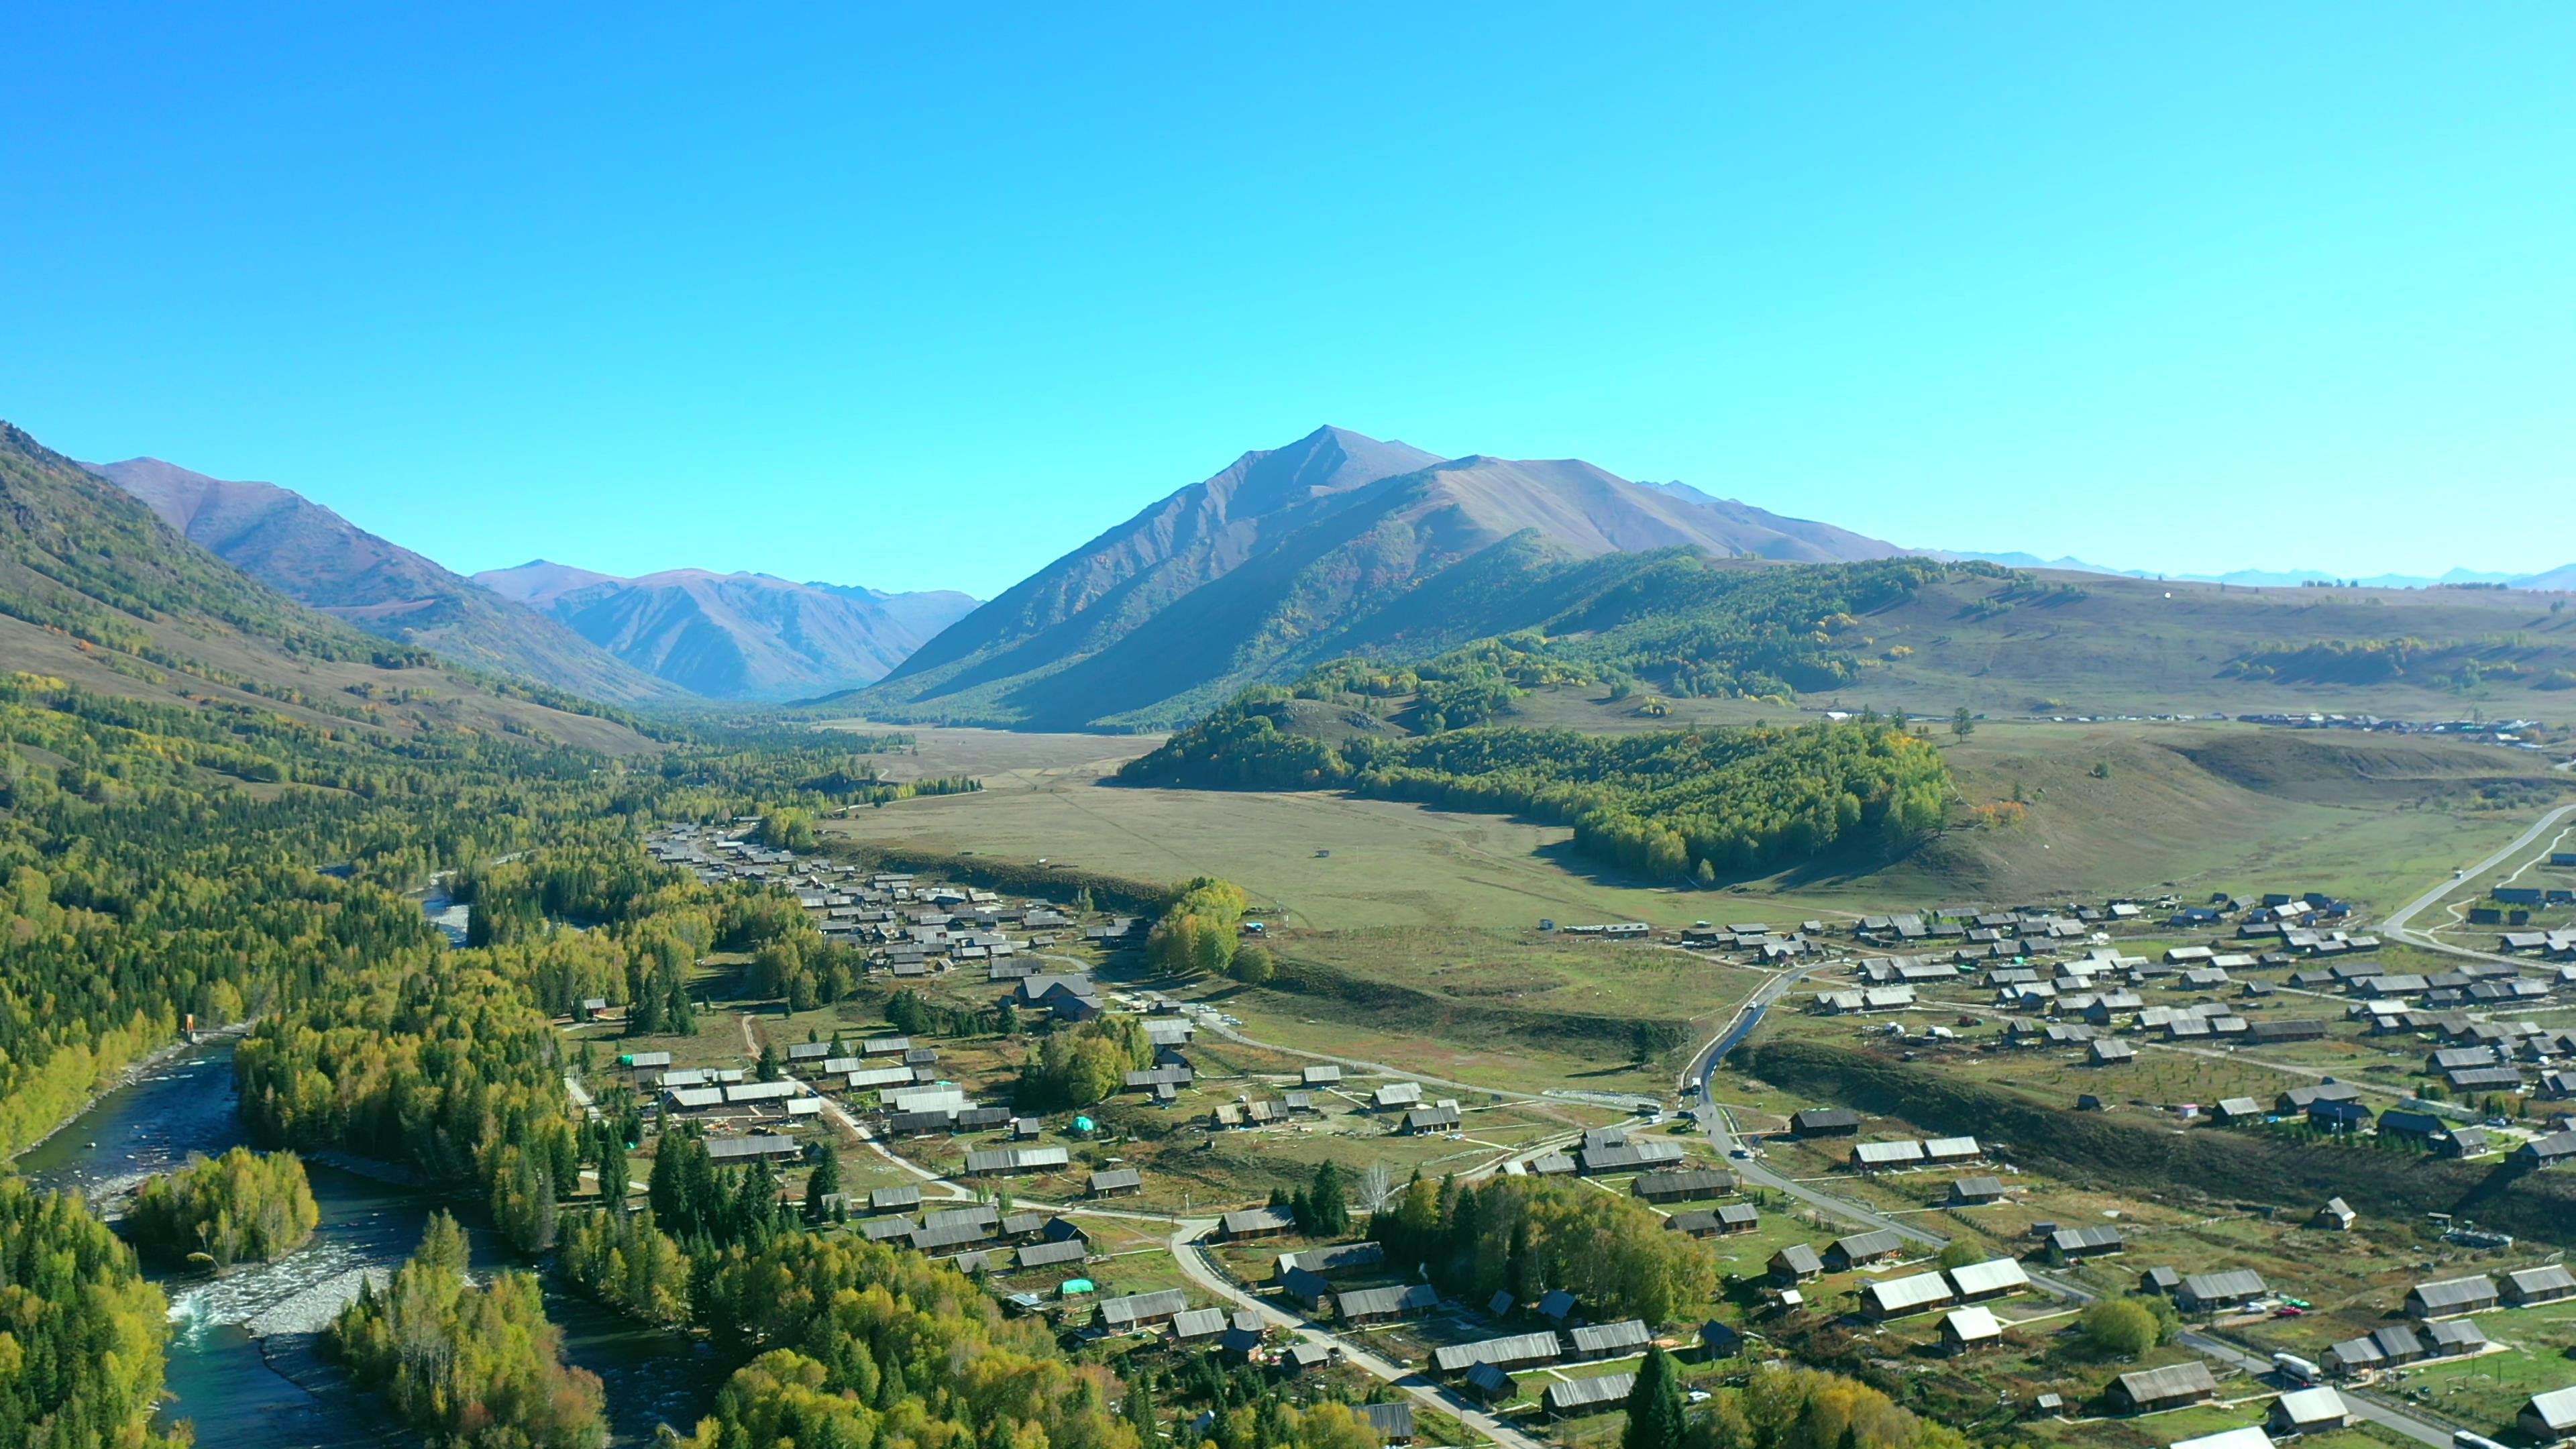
x=2296, y=1369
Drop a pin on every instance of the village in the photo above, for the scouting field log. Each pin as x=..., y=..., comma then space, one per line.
x=1162, y=1219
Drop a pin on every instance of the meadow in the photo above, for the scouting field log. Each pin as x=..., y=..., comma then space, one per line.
x=2042, y=812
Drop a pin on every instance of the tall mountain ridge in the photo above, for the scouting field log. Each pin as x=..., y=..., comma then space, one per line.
x=1333, y=544
x=316, y=557
x=99, y=590
x=735, y=636
x=656, y=640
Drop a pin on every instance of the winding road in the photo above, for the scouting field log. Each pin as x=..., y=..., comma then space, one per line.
x=2395, y=923
x=1722, y=1137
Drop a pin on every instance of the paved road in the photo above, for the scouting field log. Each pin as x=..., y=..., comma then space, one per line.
x=1194, y=1264
x=1751, y=1169
x=2395, y=923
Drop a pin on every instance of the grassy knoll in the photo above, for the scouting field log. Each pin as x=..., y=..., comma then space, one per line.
x=2103, y=809
x=1002, y=759
x=2122, y=646
x=2135, y=807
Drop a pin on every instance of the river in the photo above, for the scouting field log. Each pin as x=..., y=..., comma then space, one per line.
x=241, y=1344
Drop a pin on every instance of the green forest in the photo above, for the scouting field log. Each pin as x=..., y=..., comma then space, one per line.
x=1527, y=1236
x=472, y=1368
x=1708, y=803
x=242, y=1207
x=81, y=1332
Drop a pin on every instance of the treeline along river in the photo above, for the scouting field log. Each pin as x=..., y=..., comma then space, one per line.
x=242, y=1362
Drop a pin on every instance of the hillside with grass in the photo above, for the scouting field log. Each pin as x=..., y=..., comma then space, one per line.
x=2065, y=644
x=316, y=557
x=1737, y=786
x=1698, y=804
x=100, y=593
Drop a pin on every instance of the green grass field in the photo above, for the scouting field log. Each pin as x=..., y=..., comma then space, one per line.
x=2107, y=809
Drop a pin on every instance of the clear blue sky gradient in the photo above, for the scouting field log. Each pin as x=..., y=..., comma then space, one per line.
x=923, y=296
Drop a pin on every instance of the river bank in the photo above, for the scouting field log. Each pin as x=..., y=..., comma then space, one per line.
x=133, y=1072
x=243, y=1367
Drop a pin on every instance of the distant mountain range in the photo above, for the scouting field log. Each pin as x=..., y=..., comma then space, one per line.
x=1333, y=544
x=2563, y=577
x=735, y=636
x=654, y=640
x=100, y=589
x=314, y=556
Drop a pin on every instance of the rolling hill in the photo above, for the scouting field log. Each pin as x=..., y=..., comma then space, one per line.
x=99, y=591
x=734, y=636
x=1336, y=543
x=318, y=558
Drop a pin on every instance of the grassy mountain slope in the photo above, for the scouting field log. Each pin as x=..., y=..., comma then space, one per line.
x=1665, y=652
x=2085, y=644
x=97, y=590
x=316, y=557
x=736, y=636
x=1333, y=544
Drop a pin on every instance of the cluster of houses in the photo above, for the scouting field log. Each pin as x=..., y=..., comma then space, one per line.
x=2087, y=1003
x=1484, y=1368
x=975, y=1238
x=910, y=928
x=1963, y=1291
x=2436, y=1325
x=1979, y=926
x=1758, y=942
x=2514, y=905
x=2435, y=1126
x=2438, y=1322
x=2558, y=945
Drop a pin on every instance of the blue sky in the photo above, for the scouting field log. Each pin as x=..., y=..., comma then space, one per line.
x=923, y=296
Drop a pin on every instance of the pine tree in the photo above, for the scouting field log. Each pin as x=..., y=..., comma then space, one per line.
x=824, y=1181
x=1329, y=1202
x=1139, y=1408
x=1657, y=1418
x=608, y=1154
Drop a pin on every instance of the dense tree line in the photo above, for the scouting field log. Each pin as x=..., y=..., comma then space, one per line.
x=242, y=1207
x=914, y=1014
x=141, y=886
x=1781, y=1407
x=859, y=1344
x=628, y=1262
x=472, y=1368
x=1082, y=1066
x=81, y=1332
x=1197, y=933
x=439, y=1063
x=1665, y=803
x=2437, y=664
x=1527, y=1236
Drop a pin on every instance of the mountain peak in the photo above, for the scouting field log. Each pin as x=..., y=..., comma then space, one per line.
x=1334, y=542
